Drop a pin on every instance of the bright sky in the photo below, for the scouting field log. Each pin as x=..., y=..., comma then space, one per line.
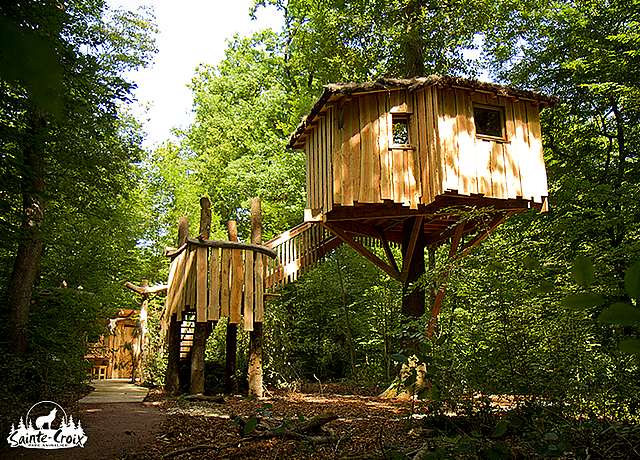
x=190, y=32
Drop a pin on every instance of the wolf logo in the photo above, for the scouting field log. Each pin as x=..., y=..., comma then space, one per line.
x=46, y=419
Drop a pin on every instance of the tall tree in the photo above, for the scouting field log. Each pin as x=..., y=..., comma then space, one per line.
x=57, y=130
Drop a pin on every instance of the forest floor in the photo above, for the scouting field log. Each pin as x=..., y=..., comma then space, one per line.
x=365, y=426
x=352, y=423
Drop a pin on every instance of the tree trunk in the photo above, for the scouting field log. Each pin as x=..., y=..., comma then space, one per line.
x=172, y=376
x=412, y=41
x=200, y=336
x=230, y=384
x=30, y=248
x=255, y=361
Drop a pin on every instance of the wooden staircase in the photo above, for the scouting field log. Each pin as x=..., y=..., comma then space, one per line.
x=298, y=249
x=187, y=329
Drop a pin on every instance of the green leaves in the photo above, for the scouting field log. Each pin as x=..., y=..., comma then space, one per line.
x=583, y=270
x=250, y=426
x=501, y=428
x=632, y=281
x=621, y=314
x=399, y=358
x=631, y=346
x=584, y=300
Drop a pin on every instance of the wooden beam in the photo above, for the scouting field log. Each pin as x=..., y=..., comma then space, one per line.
x=172, y=374
x=231, y=349
x=442, y=289
x=233, y=245
x=363, y=251
x=497, y=220
x=146, y=290
x=411, y=247
x=455, y=254
x=387, y=249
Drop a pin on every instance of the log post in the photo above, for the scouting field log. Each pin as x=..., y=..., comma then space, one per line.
x=255, y=336
x=202, y=328
x=172, y=377
x=138, y=356
x=413, y=245
x=230, y=383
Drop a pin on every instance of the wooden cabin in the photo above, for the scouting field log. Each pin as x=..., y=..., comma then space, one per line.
x=115, y=353
x=408, y=146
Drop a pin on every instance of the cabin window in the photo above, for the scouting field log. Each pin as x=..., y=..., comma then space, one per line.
x=489, y=121
x=400, y=129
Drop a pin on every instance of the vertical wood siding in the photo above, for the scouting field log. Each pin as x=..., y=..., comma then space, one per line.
x=350, y=157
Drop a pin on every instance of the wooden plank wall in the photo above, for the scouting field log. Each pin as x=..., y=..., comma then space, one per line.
x=350, y=157
x=365, y=169
x=318, y=148
x=217, y=282
x=500, y=169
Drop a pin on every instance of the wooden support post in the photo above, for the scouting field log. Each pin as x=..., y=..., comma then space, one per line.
x=413, y=245
x=172, y=376
x=255, y=336
x=230, y=383
x=202, y=327
x=387, y=249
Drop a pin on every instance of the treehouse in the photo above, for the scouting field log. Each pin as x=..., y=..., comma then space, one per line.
x=394, y=164
x=398, y=160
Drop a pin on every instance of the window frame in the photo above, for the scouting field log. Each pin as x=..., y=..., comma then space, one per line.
x=503, y=125
x=406, y=116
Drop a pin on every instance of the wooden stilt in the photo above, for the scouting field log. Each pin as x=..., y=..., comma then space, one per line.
x=230, y=383
x=255, y=336
x=172, y=376
x=202, y=326
x=413, y=245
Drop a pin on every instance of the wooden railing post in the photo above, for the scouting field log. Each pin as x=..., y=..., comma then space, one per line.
x=172, y=376
x=230, y=384
x=202, y=326
x=255, y=336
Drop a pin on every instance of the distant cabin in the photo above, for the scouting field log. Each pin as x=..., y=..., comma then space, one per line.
x=412, y=142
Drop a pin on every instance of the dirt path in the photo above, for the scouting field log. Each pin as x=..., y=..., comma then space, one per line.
x=116, y=422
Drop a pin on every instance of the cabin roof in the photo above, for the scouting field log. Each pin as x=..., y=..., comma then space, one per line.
x=334, y=91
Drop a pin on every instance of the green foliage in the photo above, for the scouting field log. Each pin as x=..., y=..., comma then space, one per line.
x=583, y=271
x=155, y=365
x=55, y=365
x=620, y=313
x=632, y=281
x=320, y=329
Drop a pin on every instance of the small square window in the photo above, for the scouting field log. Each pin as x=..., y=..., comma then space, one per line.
x=400, y=130
x=489, y=121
